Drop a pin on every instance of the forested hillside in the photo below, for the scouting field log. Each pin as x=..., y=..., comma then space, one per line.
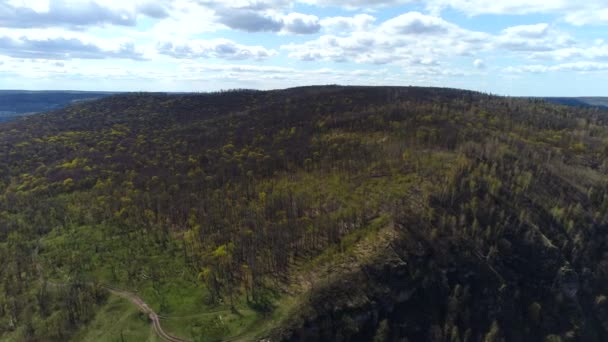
x=308, y=214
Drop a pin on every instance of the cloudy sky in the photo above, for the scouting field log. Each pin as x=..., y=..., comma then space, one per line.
x=509, y=47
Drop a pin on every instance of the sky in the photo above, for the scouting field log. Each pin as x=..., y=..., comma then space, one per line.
x=514, y=47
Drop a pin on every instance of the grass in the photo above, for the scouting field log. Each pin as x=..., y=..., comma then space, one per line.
x=346, y=247
x=117, y=321
x=217, y=325
x=175, y=295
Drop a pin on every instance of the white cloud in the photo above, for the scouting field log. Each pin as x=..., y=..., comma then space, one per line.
x=38, y=69
x=153, y=9
x=301, y=23
x=595, y=52
x=55, y=48
x=76, y=14
x=345, y=25
x=186, y=19
x=585, y=16
x=249, y=20
x=573, y=12
x=268, y=21
x=356, y=4
x=479, y=64
x=416, y=23
x=423, y=42
x=409, y=39
x=79, y=35
x=216, y=48
x=262, y=16
x=190, y=75
x=572, y=67
x=538, y=37
x=528, y=31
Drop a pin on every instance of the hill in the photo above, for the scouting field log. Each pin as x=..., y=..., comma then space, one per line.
x=307, y=214
x=16, y=103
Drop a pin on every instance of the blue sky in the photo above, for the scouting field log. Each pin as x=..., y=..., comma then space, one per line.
x=516, y=47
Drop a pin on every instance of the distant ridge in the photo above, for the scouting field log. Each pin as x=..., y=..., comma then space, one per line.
x=579, y=101
x=16, y=103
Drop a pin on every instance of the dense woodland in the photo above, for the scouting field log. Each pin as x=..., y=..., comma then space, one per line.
x=329, y=213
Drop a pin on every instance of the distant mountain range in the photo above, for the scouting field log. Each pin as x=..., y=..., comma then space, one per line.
x=15, y=103
x=580, y=101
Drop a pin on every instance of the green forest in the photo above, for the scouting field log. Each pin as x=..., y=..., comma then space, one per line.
x=308, y=214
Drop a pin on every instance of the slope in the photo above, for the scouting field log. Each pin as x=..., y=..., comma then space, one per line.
x=316, y=213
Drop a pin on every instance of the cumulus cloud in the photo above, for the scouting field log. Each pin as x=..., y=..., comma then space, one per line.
x=249, y=20
x=345, y=25
x=417, y=39
x=414, y=23
x=187, y=18
x=263, y=16
x=354, y=4
x=573, y=12
x=528, y=31
x=597, y=52
x=153, y=9
x=63, y=48
x=585, y=16
x=575, y=66
x=253, y=21
x=76, y=13
x=245, y=68
x=61, y=13
x=415, y=44
x=538, y=37
x=411, y=39
x=217, y=48
x=301, y=23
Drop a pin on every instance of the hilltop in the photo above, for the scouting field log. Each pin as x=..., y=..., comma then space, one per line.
x=307, y=214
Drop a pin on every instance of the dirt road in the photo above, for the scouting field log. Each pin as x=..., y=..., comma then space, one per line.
x=143, y=307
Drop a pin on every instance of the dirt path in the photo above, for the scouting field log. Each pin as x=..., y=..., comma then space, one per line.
x=143, y=307
x=131, y=297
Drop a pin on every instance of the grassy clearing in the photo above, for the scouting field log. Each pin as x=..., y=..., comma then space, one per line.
x=118, y=321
